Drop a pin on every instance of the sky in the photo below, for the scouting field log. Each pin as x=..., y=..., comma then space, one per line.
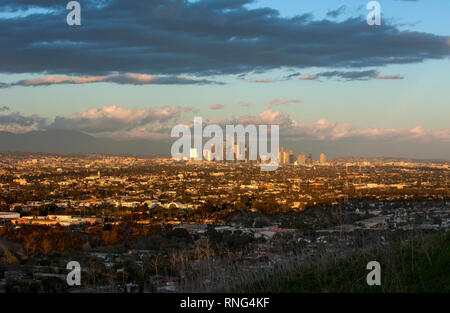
x=133, y=69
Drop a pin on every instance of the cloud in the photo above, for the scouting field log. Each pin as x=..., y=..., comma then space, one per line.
x=337, y=12
x=113, y=118
x=121, y=79
x=199, y=38
x=245, y=104
x=17, y=123
x=356, y=75
x=267, y=117
x=287, y=77
x=191, y=110
x=217, y=106
x=262, y=81
x=396, y=76
x=309, y=77
x=156, y=123
x=283, y=102
x=326, y=130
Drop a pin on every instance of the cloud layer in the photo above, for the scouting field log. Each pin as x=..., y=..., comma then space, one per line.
x=121, y=79
x=200, y=38
x=156, y=123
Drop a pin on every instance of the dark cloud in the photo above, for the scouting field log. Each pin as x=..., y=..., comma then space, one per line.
x=4, y=108
x=19, y=123
x=337, y=12
x=200, y=38
x=293, y=75
x=19, y=119
x=356, y=75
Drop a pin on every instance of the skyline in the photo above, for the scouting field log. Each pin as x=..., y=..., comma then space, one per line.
x=381, y=89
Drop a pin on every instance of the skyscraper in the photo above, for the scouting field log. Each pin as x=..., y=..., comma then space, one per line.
x=323, y=158
x=281, y=155
x=301, y=159
x=288, y=157
x=309, y=159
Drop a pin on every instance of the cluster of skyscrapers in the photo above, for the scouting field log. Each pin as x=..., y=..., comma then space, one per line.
x=238, y=152
x=288, y=157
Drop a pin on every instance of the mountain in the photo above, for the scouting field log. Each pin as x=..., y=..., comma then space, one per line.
x=68, y=141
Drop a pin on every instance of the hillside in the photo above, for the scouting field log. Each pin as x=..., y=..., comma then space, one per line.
x=417, y=266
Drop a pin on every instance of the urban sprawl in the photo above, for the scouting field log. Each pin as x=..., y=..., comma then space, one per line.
x=141, y=224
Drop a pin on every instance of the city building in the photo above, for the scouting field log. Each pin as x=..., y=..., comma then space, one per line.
x=323, y=158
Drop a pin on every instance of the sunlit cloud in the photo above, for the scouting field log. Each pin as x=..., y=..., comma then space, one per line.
x=121, y=79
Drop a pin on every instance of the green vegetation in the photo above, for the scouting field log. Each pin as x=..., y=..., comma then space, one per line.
x=420, y=265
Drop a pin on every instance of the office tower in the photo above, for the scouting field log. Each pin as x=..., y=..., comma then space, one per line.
x=323, y=158
x=224, y=150
x=309, y=159
x=301, y=160
x=281, y=155
x=246, y=154
x=291, y=157
x=287, y=157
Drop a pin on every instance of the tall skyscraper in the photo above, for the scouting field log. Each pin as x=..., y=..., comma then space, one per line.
x=309, y=159
x=288, y=157
x=301, y=159
x=281, y=155
x=323, y=158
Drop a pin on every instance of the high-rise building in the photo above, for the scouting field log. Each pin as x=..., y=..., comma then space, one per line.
x=288, y=157
x=236, y=151
x=301, y=159
x=309, y=159
x=291, y=157
x=323, y=158
x=281, y=155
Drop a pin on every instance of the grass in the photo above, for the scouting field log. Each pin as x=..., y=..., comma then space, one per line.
x=417, y=266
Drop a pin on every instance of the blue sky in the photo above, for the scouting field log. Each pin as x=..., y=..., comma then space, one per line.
x=408, y=92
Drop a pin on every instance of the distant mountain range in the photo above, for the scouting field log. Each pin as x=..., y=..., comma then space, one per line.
x=73, y=142
x=69, y=142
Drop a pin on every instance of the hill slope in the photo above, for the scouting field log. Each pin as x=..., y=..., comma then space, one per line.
x=417, y=266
